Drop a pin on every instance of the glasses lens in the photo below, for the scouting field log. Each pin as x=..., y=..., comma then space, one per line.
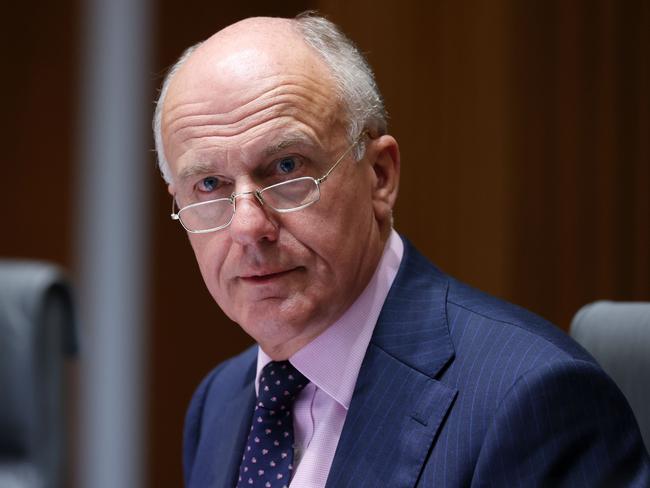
x=206, y=216
x=292, y=194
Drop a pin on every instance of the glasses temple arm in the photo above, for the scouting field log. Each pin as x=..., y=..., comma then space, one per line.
x=347, y=151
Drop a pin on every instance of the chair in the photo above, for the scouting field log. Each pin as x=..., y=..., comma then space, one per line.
x=617, y=334
x=37, y=331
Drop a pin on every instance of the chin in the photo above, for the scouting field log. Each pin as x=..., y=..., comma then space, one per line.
x=275, y=324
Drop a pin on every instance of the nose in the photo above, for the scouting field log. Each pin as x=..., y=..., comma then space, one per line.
x=252, y=223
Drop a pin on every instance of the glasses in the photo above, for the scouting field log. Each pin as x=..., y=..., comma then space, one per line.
x=287, y=196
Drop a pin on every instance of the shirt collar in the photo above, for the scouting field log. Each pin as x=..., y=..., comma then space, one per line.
x=333, y=359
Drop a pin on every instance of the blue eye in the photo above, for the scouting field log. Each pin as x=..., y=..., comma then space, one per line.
x=287, y=165
x=210, y=183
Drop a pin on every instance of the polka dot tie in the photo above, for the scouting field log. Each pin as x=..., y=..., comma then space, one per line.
x=268, y=456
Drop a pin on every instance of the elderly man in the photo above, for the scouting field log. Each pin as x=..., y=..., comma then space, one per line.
x=372, y=368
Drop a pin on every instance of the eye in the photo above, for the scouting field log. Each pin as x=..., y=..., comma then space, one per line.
x=209, y=184
x=287, y=165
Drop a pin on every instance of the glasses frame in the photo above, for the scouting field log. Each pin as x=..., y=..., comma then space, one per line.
x=232, y=199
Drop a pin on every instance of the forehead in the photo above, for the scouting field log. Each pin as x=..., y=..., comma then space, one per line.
x=245, y=86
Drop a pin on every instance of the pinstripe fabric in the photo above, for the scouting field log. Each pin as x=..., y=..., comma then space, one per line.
x=457, y=389
x=213, y=439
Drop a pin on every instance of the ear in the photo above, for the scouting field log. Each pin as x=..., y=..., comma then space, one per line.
x=385, y=162
x=170, y=189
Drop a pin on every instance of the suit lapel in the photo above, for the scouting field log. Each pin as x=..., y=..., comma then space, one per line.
x=398, y=406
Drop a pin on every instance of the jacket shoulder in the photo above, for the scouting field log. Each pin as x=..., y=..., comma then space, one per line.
x=470, y=308
x=527, y=395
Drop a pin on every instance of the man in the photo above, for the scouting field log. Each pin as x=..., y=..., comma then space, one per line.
x=373, y=368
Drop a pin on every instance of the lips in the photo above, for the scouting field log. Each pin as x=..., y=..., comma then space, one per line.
x=266, y=276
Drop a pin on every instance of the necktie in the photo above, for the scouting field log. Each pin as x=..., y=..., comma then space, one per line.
x=268, y=456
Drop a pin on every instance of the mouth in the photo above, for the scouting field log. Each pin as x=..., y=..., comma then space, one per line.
x=263, y=278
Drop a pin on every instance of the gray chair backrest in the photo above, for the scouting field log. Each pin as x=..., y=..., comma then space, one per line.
x=617, y=334
x=37, y=330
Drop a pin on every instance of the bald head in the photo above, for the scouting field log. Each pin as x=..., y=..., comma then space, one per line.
x=248, y=52
x=242, y=65
x=255, y=50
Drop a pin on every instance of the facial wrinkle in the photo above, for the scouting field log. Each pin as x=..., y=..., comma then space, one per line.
x=266, y=85
x=217, y=132
x=304, y=87
x=280, y=100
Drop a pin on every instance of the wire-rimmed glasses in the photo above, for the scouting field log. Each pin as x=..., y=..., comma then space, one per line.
x=284, y=197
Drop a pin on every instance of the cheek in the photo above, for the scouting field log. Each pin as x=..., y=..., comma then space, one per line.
x=208, y=258
x=341, y=237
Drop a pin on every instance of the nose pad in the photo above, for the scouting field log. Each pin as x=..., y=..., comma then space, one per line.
x=255, y=198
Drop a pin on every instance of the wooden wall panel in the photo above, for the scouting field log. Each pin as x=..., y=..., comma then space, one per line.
x=580, y=134
x=37, y=128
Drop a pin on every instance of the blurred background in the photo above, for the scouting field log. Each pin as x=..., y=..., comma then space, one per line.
x=524, y=122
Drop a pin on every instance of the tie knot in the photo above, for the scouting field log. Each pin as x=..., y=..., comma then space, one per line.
x=280, y=382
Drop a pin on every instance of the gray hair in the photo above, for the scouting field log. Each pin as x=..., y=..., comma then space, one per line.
x=163, y=164
x=353, y=79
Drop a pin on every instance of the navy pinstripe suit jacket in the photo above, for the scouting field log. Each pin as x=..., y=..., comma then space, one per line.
x=457, y=389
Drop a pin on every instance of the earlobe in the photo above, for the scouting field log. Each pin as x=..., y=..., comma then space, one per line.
x=171, y=189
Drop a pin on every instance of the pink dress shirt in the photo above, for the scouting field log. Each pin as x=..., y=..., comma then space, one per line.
x=332, y=362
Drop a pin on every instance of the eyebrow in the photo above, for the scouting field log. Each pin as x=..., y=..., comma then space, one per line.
x=195, y=169
x=199, y=168
x=289, y=140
